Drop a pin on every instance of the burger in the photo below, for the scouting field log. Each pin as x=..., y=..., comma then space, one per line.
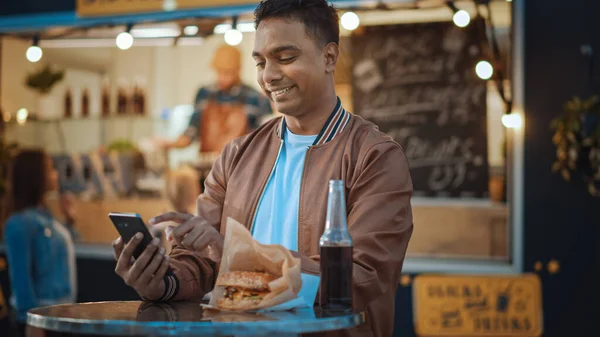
x=243, y=289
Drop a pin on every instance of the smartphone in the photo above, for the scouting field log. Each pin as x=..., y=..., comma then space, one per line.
x=128, y=224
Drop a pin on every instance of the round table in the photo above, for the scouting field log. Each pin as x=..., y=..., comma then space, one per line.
x=183, y=319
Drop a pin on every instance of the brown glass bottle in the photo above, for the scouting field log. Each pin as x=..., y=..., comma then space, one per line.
x=68, y=104
x=85, y=103
x=335, y=291
x=121, y=102
x=105, y=101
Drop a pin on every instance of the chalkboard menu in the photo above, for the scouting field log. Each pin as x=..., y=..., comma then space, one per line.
x=417, y=82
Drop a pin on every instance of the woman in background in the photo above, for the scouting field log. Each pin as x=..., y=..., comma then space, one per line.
x=40, y=251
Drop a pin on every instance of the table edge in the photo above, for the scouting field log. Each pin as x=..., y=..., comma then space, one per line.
x=126, y=327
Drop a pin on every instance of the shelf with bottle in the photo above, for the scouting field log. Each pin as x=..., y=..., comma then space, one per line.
x=32, y=118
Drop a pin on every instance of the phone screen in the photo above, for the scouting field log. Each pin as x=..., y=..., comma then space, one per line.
x=128, y=224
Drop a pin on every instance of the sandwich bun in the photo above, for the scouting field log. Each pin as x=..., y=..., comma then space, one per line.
x=243, y=289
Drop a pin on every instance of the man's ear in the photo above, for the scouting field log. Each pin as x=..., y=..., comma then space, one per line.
x=331, y=52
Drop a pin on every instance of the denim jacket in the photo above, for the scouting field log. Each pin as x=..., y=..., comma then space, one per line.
x=41, y=261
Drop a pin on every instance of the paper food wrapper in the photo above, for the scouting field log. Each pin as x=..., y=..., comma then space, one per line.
x=242, y=253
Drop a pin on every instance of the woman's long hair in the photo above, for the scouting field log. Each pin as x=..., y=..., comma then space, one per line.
x=28, y=179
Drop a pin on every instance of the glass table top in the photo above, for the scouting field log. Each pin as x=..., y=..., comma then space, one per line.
x=184, y=318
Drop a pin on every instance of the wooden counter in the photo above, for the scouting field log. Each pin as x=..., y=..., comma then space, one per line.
x=454, y=229
x=92, y=216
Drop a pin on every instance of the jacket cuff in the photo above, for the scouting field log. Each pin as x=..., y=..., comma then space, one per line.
x=171, y=287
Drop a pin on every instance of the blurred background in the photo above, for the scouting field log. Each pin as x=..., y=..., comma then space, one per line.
x=493, y=102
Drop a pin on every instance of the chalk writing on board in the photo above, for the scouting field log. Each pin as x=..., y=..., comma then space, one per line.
x=417, y=83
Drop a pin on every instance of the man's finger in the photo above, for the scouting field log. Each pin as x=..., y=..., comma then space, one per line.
x=160, y=273
x=142, y=262
x=118, y=247
x=189, y=239
x=180, y=232
x=171, y=216
x=144, y=279
x=127, y=253
x=203, y=241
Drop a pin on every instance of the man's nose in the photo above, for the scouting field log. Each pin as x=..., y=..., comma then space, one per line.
x=271, y=72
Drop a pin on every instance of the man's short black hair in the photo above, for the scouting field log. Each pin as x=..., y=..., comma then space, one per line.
x=318, y=16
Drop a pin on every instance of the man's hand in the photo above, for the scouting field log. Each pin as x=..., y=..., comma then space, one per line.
x=145, y=275
x=194, y=233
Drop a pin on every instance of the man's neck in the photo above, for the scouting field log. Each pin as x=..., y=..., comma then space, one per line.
x=311, y=124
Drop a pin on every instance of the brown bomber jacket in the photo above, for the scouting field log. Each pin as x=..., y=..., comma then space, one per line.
x=378, y=190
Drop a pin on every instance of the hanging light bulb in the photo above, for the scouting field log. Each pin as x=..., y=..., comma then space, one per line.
x=484, y=70
x=512, y=121
x=125, y=39
x=461, y=17
x=22, y=115
x=34, y=53
x=190, y=30
x=350, y=21
x=233, y=37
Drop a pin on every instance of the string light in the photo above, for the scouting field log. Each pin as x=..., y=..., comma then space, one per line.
x=233, y=37
x=484, y=70
x=461, y=17
x=512, y=121
x=22, y=115
x=350, y=21
x=34, y=53
x=190, y=30
x=125, y=39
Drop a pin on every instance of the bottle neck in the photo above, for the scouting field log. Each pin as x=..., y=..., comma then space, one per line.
x=336, y=207
x=336, y=231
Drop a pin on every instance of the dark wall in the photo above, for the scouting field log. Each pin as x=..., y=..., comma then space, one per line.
x=562, y=220
x=96, y=278
x=13, y=7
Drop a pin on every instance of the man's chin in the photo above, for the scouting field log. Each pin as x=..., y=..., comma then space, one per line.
x=287, y=108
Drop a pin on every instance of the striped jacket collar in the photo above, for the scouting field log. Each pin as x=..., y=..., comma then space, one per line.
x=335, y=124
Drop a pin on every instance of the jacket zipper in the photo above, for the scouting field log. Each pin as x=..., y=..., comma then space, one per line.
x=262, y=191
x=300, y=197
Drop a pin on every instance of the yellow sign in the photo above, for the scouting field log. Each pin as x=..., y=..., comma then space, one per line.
x=120, y=7
x=477, y=306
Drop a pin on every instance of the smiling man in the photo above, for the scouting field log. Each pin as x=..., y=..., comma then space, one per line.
x=275, y=180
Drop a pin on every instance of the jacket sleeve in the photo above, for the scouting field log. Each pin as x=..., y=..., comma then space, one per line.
x=194, y=272
x=19, y=251
x=379, y=221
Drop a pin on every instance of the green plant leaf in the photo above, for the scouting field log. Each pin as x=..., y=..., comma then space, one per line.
x=44, y=79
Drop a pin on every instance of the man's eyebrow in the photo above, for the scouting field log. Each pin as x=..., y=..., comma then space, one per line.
x=288, y=47
x=277, y=50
